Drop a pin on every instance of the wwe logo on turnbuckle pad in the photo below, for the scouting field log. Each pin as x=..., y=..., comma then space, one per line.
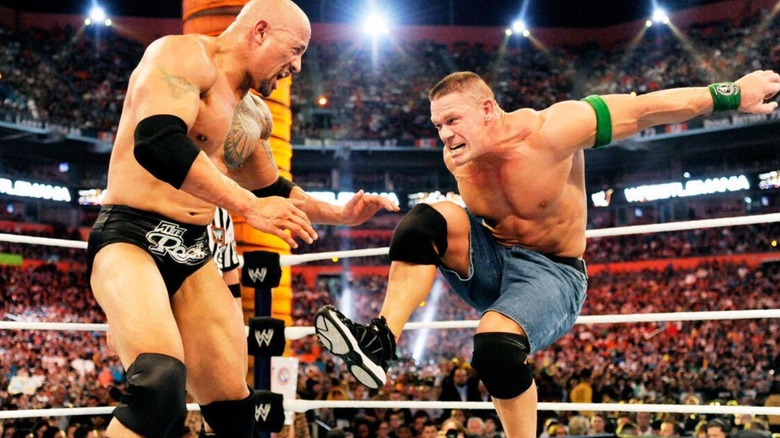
x=261, y=411
x=261, y=269
x=167, y=238
x=264, y=337
x=258, y=275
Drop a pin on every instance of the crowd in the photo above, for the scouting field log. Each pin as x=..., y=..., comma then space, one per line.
x=85, y=73
x=691, y=362
x=380, y=96
x=386, y=99
x=702, y=361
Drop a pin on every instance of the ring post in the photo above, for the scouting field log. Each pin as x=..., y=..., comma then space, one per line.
x=262, y=272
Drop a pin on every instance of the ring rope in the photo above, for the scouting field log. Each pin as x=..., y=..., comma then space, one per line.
x=305, y=405
x=48, y=241
x=684, y=226
x=295, y=259
x=299, y=332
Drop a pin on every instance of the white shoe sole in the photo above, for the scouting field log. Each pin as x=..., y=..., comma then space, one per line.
x=339, y=340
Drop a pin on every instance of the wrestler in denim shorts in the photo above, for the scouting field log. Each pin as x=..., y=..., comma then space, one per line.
x=543, y=296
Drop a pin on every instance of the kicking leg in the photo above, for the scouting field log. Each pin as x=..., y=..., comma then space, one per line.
x=413, y=269
x=427, y=236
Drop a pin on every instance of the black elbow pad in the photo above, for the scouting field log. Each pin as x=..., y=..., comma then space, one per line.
x=163, y=148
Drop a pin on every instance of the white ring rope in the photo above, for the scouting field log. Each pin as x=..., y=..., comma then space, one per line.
x=683, y=226
x=299, y=332
x=306, y=405
x=33, y=240
x=295, y=259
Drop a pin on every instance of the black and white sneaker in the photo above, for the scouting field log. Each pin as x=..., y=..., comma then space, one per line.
x=368, y=350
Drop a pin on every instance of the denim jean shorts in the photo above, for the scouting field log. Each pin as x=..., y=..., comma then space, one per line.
x=542, y=296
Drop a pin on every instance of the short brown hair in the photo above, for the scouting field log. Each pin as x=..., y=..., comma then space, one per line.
x=459, y=81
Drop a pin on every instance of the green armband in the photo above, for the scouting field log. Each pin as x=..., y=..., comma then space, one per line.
x=726, y=96
x=603, y=120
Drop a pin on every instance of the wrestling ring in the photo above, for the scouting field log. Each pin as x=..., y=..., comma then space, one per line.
x=292, y=333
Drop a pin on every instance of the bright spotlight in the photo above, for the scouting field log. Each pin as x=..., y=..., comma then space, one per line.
x=376, y=25
x=519, y=27
x=97, y=15
x=649, y=23
x=659, y=16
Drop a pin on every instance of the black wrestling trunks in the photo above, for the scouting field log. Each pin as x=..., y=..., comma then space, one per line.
x=177, y=249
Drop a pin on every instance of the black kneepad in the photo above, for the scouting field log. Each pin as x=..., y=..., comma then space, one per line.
x=231, y=418
x=499, y=360
x=262, y=411
x=163, y=148
x=155, y=399
x=415, y=236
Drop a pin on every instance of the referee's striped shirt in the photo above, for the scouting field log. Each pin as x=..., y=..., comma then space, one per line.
x=222, y=241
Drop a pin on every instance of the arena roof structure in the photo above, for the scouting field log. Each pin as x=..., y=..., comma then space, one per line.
x=537, y=13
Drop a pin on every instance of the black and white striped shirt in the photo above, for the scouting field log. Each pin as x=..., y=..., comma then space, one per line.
x=222, y=241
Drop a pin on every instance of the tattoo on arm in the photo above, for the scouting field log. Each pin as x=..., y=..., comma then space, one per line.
x=178, y=86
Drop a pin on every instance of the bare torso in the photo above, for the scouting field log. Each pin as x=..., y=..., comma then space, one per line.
x=528, y=195
x=229, y=126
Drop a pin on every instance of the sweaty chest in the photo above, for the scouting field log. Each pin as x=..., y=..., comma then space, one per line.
x=229, y=131
x=512, y=191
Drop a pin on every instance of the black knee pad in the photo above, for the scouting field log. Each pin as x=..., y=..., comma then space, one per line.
x=155, y=399
x=231, y=418
x=414, y=237
x=499, y=359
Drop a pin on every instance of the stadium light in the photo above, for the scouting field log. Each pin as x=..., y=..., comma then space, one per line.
x=97, y=15
x=375, y=25
x=660, y=16
x=518, y=27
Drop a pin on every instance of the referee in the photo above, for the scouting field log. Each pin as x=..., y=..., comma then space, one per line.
x=222, y=242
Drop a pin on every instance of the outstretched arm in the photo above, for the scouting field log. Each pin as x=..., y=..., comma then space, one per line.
x=572, y=125
x=358, y=209
x=633, y=114
x=260, y=174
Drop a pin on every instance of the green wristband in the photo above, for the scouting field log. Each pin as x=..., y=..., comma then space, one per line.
x=725, y=96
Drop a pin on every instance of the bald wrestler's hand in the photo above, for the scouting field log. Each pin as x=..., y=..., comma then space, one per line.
x=275, y=215
x=756, y=88
x=362, y=206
